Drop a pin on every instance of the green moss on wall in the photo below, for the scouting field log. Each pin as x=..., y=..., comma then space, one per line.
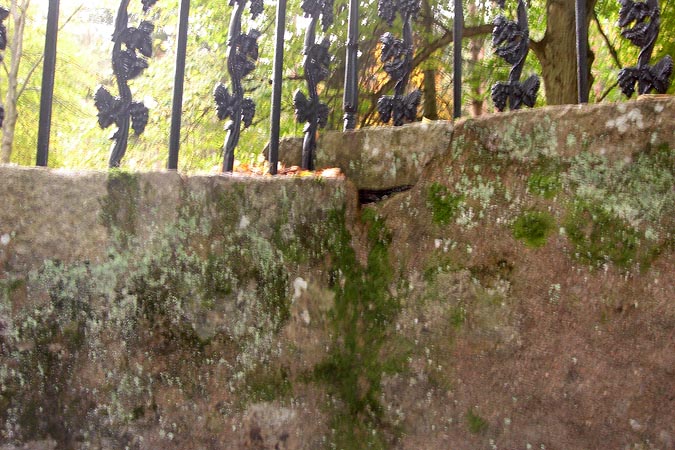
x=360, y=318
x=443, y=205
x=475, y=423
x=621, y=211
x=266, y=384
x=599, y=237
x=635, y=191
x=119, y=208
x=545, y=181
x=533, y=228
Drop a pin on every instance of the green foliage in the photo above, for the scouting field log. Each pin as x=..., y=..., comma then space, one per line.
x=84, y=62
x=444, y=206
x=533, y=227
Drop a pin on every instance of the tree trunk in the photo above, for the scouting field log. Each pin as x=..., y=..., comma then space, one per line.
x=557, y=51
x=18, y=14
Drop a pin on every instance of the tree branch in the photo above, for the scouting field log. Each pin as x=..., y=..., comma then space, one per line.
x=39, y=60
x=607, y=91
x=610, y=47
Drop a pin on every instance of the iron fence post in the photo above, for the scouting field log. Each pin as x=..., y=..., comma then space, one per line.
x=47, y=90
x=582, y=50
x=179, y=80
x=4, y=13
x=457, y=59
x=275, y=115
x=351, y=94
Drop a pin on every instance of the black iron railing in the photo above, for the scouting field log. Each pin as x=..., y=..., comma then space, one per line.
x=131, y=50
x=132, y=46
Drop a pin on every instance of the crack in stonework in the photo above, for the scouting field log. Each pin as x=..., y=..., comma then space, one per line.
x=375, y=195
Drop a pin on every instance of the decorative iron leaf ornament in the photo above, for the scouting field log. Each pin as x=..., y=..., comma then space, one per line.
x=511, y=41
x=397, y=55
x=241, y=60
x=4, y=13
x=132, y=46
x=640, y=22
x=317, y=68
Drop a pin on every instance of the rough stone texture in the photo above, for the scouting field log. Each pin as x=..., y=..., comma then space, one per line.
x=155, y=311
x=564, y=342
x=381, y=158
x=290, y=151
x=376, y=158
x=614, y=130
x=384, y=157
x=518, y=296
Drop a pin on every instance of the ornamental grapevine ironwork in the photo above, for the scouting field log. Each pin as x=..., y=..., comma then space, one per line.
x=316, y=63
x=132, y=46
x=511, y=41
x=241, y=60
x=4, y=13
x=397, y=56
x=645, y=18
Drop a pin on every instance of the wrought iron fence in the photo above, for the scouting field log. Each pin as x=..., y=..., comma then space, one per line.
x=132, y=46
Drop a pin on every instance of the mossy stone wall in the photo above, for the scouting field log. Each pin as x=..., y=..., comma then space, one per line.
x=519, y=295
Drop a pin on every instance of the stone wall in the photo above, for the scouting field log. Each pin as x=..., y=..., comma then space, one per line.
x=519, y=295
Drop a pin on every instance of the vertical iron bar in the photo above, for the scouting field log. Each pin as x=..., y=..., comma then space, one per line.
x=457, y=59
x=582, y=51
x=179, y=80
x=351, y=95
x=275, y=115
x=47, y=91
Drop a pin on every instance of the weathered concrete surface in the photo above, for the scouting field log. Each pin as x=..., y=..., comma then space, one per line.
x=520, y=295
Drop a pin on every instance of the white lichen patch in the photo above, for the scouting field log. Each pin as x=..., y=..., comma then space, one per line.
x=654, y=139
x=299, y=286
x=571, y=140
x=624, y=122
x=305, y=316
x=244, y=222
x=4, y=239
